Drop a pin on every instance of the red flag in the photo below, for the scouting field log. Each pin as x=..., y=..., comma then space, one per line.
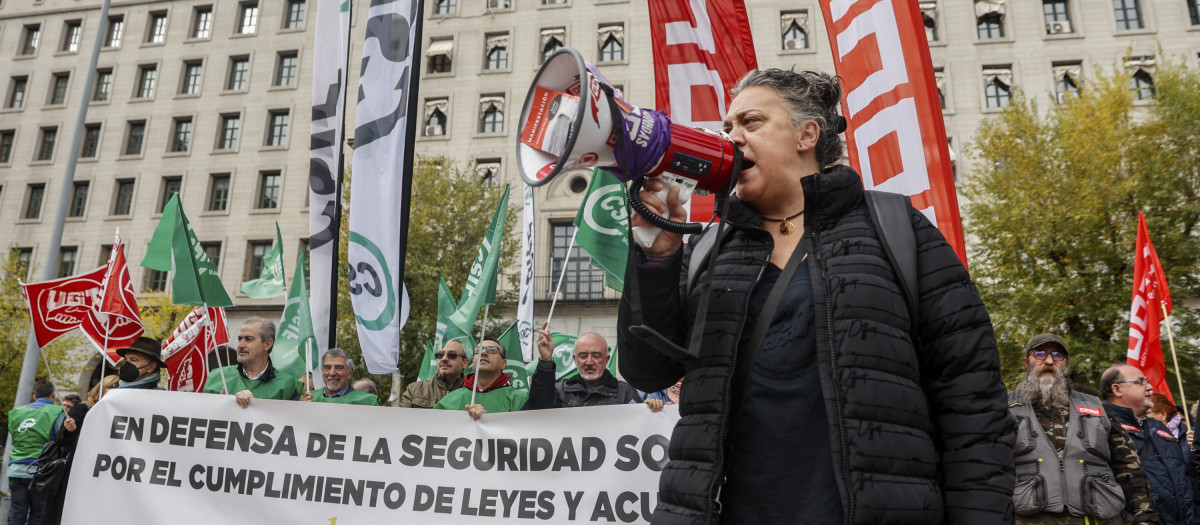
x=699, y=55
x=186, y=351
x=59, y=306
x=1150, y=298
x=115, y=322
x=896, y=137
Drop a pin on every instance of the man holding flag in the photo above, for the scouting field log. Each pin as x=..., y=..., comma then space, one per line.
x=254, y=375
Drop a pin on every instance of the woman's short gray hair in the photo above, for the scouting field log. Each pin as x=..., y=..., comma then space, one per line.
x=807, y=95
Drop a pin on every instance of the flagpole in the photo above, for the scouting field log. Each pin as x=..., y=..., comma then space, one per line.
x=410, y=134
x=561, y=275
x=1175, y=359
x=482, y=330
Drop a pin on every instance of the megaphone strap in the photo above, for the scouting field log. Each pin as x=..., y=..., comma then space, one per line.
x=641, y=139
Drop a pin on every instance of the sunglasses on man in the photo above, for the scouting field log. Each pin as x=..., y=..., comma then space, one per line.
x=449, y=355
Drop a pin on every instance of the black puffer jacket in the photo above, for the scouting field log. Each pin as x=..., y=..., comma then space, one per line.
x=919, y=435
x=545, y=392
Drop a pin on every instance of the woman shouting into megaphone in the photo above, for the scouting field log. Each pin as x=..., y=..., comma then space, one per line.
x=817, y=391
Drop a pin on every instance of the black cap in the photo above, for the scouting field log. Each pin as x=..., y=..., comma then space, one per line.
x=1041, y=339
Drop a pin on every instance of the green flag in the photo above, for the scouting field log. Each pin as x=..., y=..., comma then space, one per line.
x=270, y=281
x=295, y=343
x=481, y=280
x=174, y=247
x=446, y=331
x=602, y=227
x=515, y=365
x=564, y=357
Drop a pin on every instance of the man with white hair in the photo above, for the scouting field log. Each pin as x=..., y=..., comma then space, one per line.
x=1068, y=452
x=594, y=385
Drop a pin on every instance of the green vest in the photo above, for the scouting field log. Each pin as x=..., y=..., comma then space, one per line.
x=278, y=387
x=353, y=397
x=507, y=399
x=31, y=428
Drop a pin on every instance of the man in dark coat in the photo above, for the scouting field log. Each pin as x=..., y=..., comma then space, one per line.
x=1126, y=394
x=593, y=386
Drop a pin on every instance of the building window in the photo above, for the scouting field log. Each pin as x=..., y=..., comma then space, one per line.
x=156, y=281
x=258, y=251
x=445, y=7
x=248, y=18
x=33, y=201
x=1142, y=85
x=116, y=29
x=581, y=280
x=79, y=194
x=1066, y=81
x=91, y=141
x=277, y=128
x=170, y=187
x=58, y=93
x=66, y=261
x=488, y=172
x=123, y=197
x=554, y=2
x=990, y=25
x=212, y=250
x=496, y=52
x=491, y=114
x=939, y=78
x=268, y=190
x=16, y=93
x=997, y=87
x=552, y=40
x=29, y=39
x=147, y=76
x=230, y=125
x=45, y=149
x=7, y=138
x=181, y=136
x=285, y=68
x=499, y=4
x=190, y=84
x=72, y=29
x=239, y=73
x=1128, y=13
x=794, y=25
x=218, y=192
x=438, y=55
x=24, y=261
x=611, y=39
x=294, y=17
x=1058, y=19
x=156, y=28
x=435, y=117
x=103, y=89
x=134, y=135
x=929, y=18
x=1194, y=11
x=202, y=22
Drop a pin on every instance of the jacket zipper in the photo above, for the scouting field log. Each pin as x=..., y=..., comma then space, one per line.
x=837, y=386
x=715, y=488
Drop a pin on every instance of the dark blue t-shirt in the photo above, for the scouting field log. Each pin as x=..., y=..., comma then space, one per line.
x=780, y=469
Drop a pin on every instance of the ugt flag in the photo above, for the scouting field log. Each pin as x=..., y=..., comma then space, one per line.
x=186, y=351
x=115, y=322
x=602, y=227
x=378, y=198
x=174, y=247
x=59, y=306
x=481, y=280
x=1151, y=304
x=270, y=280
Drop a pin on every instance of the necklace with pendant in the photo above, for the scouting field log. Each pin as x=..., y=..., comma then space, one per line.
x=785, y=225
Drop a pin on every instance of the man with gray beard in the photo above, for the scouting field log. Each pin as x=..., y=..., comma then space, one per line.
x=1073, y=464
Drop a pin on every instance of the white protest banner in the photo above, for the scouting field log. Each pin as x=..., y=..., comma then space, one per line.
x=199, y=459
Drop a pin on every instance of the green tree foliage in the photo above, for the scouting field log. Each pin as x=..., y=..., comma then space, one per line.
x=1053, y=216
x=14, y=328
x=449, y=215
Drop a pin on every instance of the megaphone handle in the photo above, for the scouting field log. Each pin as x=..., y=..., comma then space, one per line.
x=645, y=235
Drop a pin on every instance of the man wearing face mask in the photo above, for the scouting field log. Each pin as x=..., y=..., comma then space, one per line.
x=593, y=386
x=143, y=364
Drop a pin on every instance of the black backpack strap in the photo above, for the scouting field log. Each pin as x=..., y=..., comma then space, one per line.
x=890, y=214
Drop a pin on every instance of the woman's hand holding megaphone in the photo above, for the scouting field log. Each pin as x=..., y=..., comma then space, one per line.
x=667, y=243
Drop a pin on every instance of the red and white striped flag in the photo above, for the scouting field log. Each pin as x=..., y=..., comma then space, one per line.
x=186, y=351
x=699, y=55
x=1151, y=304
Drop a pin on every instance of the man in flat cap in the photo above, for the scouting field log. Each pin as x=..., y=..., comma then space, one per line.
x=143, y=364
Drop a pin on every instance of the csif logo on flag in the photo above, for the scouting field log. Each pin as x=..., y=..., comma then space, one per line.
x=371, y=284
x=605, y=209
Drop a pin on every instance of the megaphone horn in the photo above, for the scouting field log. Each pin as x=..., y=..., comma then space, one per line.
x=570, y=121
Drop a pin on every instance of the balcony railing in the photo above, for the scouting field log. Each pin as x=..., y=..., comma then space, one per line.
x=575, y=287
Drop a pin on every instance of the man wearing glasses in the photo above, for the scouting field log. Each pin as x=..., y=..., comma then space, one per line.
x=1074, y=464
x=451, y=361
x=489, y=388
x=1127, y=398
